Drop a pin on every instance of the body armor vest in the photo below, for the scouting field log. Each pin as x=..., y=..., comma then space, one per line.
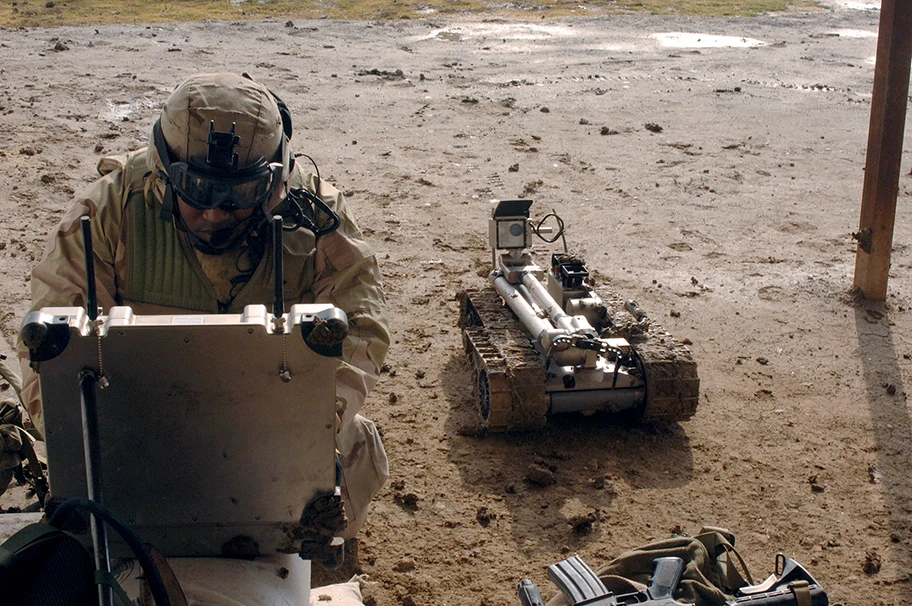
x=162, y=274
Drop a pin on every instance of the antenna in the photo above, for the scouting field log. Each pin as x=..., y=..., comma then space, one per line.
x=88, y=381
x=91, y=297
x=278, y=302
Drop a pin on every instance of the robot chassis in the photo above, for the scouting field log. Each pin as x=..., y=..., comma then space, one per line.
x=547, y=343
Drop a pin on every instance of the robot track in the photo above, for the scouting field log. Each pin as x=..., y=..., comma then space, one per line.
x=672, y=383
x=509, y=376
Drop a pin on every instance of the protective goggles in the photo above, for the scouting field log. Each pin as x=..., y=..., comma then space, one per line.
x=244, y=189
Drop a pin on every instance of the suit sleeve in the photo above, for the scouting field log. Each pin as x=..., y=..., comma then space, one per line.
x=348, y=276
x=59, y=280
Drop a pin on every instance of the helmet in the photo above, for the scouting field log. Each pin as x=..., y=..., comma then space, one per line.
x=222, y=142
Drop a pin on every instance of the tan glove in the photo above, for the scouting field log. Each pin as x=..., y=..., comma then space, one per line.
x=10, y=446
x=18, y=446
x=10, y=417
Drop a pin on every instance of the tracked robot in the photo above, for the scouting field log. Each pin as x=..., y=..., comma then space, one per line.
x=543, y=342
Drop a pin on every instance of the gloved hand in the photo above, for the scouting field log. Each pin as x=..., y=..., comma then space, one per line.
x=10, y=447
x=16, y=446
x=10, y=418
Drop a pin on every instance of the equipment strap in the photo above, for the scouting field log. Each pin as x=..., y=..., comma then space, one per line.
x=31, y=534
x=103, y=577
x=802, y=593
x=39, y=481
x=720, y=542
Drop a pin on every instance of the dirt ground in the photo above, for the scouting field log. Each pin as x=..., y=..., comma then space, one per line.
x=715, y=181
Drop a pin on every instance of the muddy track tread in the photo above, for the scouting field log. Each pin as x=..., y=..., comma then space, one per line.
x=672, y=383
x=486, y=359
x=498, y=348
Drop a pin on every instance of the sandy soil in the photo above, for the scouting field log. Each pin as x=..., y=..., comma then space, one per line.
x=730, y=222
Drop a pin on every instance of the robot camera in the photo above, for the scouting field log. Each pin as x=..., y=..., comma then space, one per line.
x=509, y=226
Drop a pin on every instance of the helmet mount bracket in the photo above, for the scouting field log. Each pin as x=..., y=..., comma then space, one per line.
x=220, y=153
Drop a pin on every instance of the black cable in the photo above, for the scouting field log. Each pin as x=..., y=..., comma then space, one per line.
x=560, y=229
x=316, y=168
x=292, y=207
x=150, y=570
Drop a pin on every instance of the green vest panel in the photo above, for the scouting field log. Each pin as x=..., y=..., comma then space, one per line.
x=158, y=269
x=162, y=274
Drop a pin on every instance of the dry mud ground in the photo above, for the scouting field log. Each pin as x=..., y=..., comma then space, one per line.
x=732, y=227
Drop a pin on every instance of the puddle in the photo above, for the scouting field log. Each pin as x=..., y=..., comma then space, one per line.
x=507, y=31
x=688, y=40
x=855, y=5
x=855, y=33
x=526, y=36
x=118, y=111
x=863, y=6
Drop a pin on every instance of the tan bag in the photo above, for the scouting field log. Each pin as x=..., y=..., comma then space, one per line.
x=710, y=576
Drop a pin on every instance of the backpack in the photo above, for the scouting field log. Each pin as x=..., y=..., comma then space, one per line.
x=44, y=565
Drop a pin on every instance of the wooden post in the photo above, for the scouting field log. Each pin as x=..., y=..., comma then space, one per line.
x=884, y=155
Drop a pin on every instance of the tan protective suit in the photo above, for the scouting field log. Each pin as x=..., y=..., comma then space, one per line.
x=150, y=265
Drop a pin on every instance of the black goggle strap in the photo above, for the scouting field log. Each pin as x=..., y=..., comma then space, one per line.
x=158, y=139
